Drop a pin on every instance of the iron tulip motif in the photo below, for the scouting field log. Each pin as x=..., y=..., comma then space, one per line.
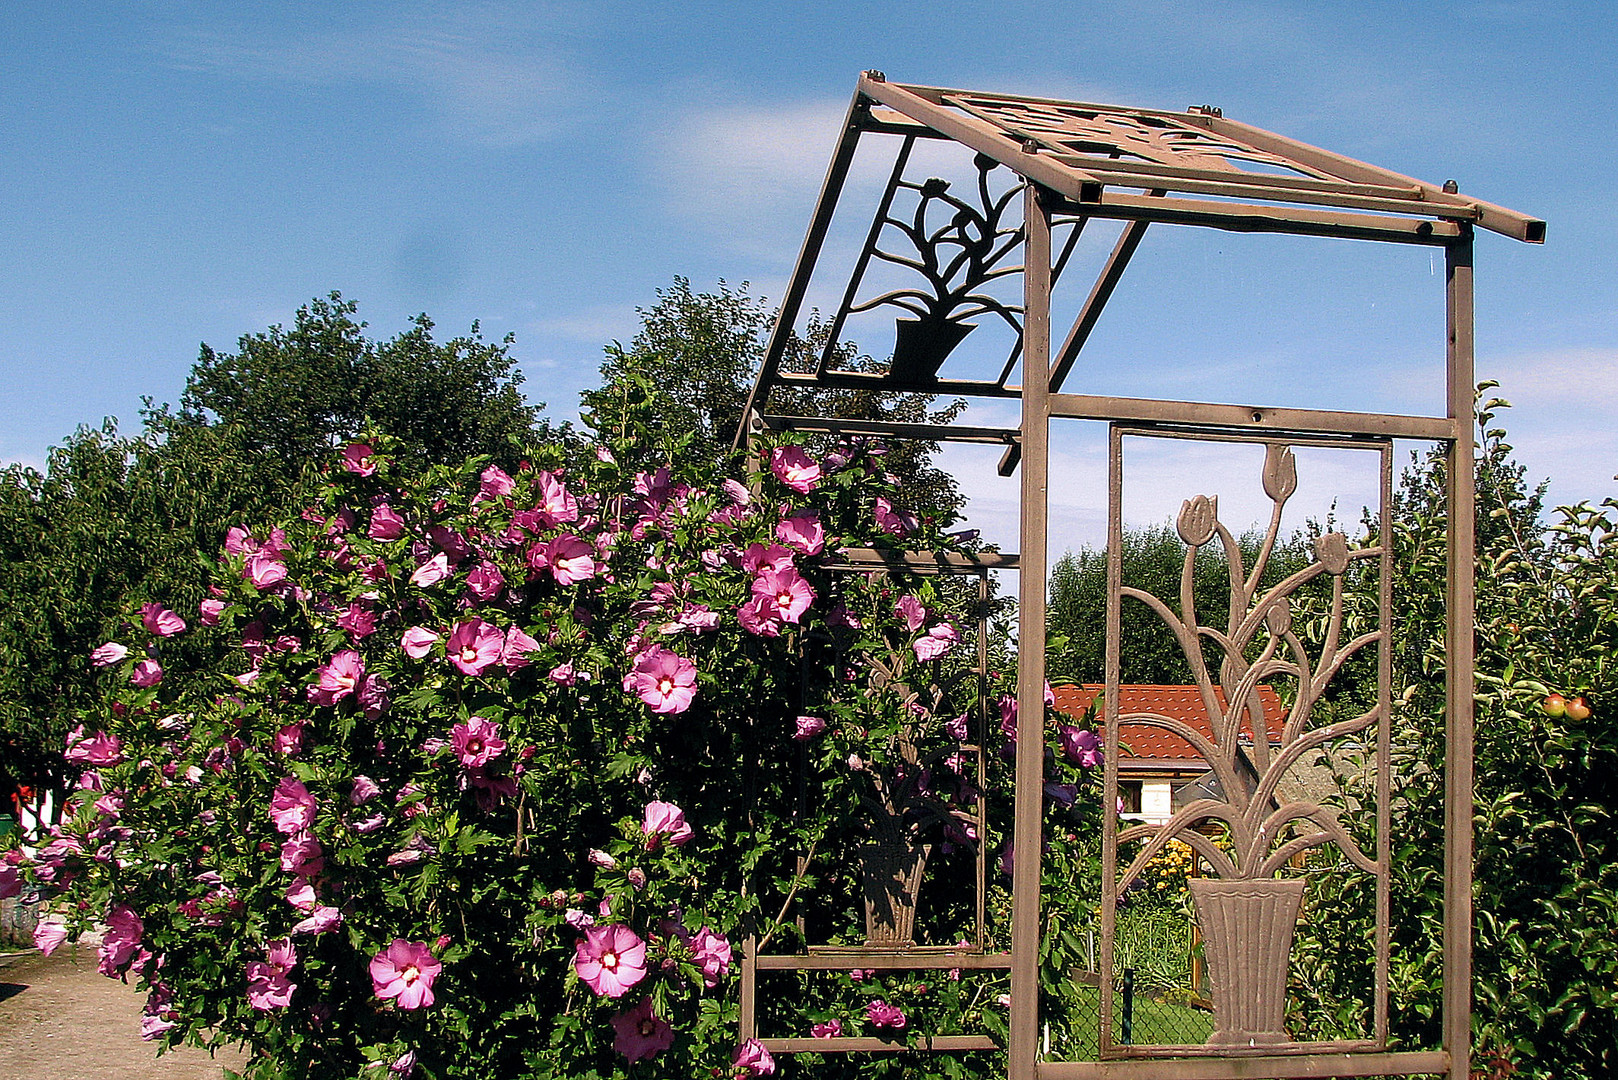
x=1280, y=472
x=1256, y=646
x=1332, y=551
x=1198, y=518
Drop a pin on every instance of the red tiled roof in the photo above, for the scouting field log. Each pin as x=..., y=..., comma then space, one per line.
x=1183, y=703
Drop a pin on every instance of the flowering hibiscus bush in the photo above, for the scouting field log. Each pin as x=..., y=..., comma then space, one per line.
x=500, y=768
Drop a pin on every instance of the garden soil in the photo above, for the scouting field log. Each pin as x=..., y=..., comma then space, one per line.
x=62, y=1020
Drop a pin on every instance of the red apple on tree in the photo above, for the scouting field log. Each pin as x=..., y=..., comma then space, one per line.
x=1578, y=709
x=1553, y=705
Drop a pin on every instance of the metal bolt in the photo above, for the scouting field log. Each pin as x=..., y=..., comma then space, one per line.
x=1029, y=146
x=1451, y=187
x=876, y=76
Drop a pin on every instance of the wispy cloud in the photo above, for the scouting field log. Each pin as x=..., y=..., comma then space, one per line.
x=489, y=74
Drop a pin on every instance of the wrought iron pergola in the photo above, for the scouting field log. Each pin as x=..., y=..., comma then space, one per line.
x=1070, y=164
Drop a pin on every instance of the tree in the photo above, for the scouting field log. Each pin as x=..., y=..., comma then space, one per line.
x=700, y=353
x=115, y=518
x=301, y=393
x=1545, y=951
x=1153, y=556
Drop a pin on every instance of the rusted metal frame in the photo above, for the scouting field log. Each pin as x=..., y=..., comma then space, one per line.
x=915, y=959
x=888, y=122
x=1275, y=421
x=1495, y=218
x=981, y=738
x=1057, y=267
x=1110, y=728
x=878, y=222
x=930, y=432
x=1183, y=1052
x=1384, y=750
x=1155, y=170
x=1284, y=1067
x=1291, y=438
x=1459, y=659
x=1246, y=217
x=852, y=380
x=851, y=1044
x=1028, y=783
x=923, y=561
x=984, y=137
x=1246, y=189
x=937, y=95
x=1101, y=292
x=825, y=206
x=747, y=1022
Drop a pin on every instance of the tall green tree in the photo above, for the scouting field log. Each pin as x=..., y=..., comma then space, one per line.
x=115, y=518
x=1545, y=955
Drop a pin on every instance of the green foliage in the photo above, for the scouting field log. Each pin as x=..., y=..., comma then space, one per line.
x=1153, y=556
x=701, y=352
x=116, y=519
x=1545, y=953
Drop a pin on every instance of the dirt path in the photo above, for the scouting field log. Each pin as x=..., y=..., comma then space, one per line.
x=62, y=1020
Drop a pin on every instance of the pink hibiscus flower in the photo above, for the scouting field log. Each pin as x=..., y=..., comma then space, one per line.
x=405, y=971
x=476, y=742
x=358, y=619
x=160, y=620
x=146, y=674
x=474, y=645
x=417, y=642
x=386, y=524
x=49, y=935
x=758, y=558
x=911, y=611
x=802, y=532
x=759, y=616
x=893, y=521
x=712, y=954
x=794, y=468
x=753, y=1060
x=98, y=749
x=121, y=941
x=292, y=808
x=357, y=458
x=485, y=581
x=1082, y=747
x=495, y=483
x=665, y=821
x=610, y=959
x=881, y=1015
x=664, y=680
x=108, y=654
x=264, y=568
x=556, y=505
x=322, y=919
x=939, y=640
x=210, y=610
x=789, y=595
x=808, y=727
x=516, y=649
x=639, y=1035
x=570, y=559
x=267, y=984
x=338, y=678
x=432, y=571
x=830, y=1029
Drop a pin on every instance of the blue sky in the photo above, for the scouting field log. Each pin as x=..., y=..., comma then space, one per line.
x=174, y=173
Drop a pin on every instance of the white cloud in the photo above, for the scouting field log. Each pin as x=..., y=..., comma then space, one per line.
x=491, y=76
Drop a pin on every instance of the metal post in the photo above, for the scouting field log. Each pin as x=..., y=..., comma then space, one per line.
x=1030, y=764
x=1458, y=645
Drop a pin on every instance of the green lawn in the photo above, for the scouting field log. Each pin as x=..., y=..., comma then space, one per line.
x=1154, y=1022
